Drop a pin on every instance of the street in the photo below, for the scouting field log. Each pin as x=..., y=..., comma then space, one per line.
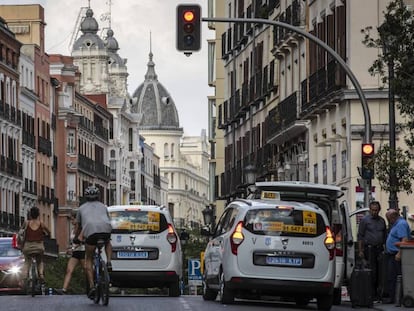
x=153, y=303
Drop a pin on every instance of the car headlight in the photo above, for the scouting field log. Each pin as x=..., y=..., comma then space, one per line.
x=13, y=270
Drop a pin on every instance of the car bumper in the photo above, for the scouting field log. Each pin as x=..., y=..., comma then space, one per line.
x=9, y=282
x=281, y=287
x=141, y=279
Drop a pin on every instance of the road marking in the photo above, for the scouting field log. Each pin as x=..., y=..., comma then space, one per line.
x=186, y=306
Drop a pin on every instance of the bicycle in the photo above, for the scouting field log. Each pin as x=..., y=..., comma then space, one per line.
x=33, y=281
x=101, y=275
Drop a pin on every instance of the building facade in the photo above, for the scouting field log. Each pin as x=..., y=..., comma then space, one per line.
x=11, y=166
x=288, y=108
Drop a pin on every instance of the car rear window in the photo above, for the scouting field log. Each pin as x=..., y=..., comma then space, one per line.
x=6, y=250
x=138, y=221
x=284, y=221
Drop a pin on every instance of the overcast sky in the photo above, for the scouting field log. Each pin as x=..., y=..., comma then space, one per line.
x=184, y=77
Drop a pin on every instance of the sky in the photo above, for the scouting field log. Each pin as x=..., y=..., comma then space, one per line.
x=132, y=21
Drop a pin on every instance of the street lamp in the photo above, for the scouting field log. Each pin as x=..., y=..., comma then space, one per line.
x=250, y=174
x=208, y=216
x=388, y=42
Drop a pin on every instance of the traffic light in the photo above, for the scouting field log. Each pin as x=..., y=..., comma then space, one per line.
x=188, y=27
x=367, y=161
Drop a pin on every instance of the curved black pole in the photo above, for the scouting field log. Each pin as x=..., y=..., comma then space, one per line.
x=367, y=135
x=367, y=138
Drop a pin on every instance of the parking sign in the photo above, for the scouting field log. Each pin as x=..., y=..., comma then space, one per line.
x=194, y=272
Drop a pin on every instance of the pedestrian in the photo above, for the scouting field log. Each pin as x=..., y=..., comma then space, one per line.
x=372, y=231
x=399, y=232
x=77, y=252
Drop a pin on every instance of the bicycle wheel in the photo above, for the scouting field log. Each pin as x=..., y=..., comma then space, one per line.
x=97, y=297
x=104, y=280
x=33, y=279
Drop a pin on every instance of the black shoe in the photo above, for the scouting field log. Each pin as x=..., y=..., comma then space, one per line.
x=91, y=294
x=387, y=301
x=109, y=266
x=61, y=291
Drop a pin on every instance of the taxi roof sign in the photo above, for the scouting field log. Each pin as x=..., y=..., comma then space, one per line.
x=270, y=195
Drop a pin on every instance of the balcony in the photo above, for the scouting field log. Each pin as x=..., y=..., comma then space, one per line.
x=324, y=88
x=86, y=164
x=44, y=146
x=102, y=171
x=102, y=132
x=283, y=119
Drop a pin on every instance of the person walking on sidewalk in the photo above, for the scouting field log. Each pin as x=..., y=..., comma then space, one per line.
x=399, y=232
x=372, y=232
x=77, y=252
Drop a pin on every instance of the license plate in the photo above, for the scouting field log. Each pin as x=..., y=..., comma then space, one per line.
x=285, y=261
x=140, y=255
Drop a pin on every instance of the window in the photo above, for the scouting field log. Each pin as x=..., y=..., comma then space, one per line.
x=334, y=168
x=71, y=143
x=165, y=150
x=325, y=171
x=172, y=151
x=343, y=163
x=315, y=173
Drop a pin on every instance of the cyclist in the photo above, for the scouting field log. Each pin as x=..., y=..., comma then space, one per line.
x=36, y=231
x=94, y=224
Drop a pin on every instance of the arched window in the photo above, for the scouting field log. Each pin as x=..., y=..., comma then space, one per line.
x=172, y=150
x=166, y=155
x=112, y=154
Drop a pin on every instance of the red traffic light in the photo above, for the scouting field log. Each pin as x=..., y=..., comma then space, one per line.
x=188, y=27
x=188, y=16
x=367, y=149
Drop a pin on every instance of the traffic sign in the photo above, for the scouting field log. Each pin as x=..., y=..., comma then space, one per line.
x=194, y=272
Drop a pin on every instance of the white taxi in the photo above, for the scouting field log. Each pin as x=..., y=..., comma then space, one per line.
x=146, y=250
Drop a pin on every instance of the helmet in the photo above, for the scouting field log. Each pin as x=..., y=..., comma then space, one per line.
x=91, y=193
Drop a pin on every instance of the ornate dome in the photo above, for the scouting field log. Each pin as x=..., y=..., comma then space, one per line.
x=153, y=101
x=89, y=38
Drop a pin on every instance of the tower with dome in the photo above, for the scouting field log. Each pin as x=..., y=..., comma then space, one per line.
x=183, y=159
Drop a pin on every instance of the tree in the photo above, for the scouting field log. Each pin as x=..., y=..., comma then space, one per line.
x=402, y=169
x=395, y=41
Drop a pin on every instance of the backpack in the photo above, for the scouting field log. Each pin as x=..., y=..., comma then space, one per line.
x=21, y=235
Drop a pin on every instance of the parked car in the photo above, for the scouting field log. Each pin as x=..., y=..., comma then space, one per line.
x=146, y=248
x=11, y=264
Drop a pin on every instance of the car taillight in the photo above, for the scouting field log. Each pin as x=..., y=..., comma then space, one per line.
x=339, y=245
x=14, y=241
x=237, y=238
x=172, y=238
x=330, y=243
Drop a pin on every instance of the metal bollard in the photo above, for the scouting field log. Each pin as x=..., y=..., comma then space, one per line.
x=398, y=291
x=50, y=291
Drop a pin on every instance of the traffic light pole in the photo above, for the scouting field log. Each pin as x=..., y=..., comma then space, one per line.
x=367, y=138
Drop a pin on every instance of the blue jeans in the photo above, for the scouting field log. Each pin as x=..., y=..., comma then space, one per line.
x=393, y=270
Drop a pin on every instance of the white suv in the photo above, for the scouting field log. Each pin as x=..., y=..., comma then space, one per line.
x=274, y=244
x=146, y=248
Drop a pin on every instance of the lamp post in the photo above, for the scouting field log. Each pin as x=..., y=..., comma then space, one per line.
x=393, y=199
x=208, y=216
x=250, y=174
